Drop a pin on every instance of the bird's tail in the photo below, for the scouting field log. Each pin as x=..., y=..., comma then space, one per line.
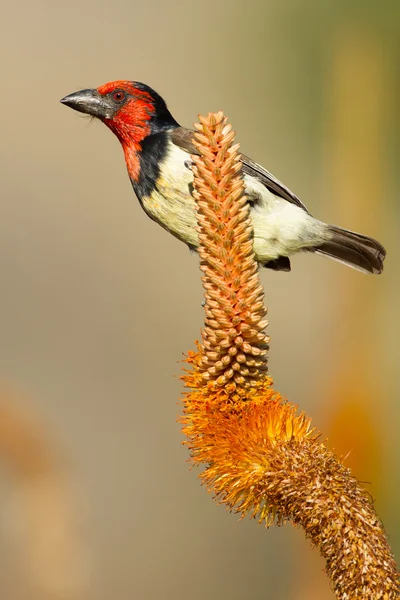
x=353, y=249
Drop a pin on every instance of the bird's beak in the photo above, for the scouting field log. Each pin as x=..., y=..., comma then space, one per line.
x=91, y=103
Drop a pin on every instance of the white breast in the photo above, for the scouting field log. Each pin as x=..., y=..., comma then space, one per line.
x=171, y=203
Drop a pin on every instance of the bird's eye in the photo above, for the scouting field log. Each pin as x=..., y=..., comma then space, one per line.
x=118, y=96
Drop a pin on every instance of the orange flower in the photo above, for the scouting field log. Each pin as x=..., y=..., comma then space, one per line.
x=234, y=343
x=262, y=456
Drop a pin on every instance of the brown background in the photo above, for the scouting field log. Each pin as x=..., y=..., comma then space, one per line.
x=98, y=303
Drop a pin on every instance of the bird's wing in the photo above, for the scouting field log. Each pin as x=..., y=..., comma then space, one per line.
x=184, y=139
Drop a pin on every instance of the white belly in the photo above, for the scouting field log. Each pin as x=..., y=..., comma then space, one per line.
x=280, y=227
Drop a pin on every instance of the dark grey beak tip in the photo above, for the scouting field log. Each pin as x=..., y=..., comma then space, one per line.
x=65, y=100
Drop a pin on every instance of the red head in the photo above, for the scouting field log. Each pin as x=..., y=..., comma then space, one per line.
x=132, y=110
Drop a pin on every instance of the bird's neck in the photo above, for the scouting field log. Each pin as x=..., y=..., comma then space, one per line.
x=132, y=151
x=131, y=137
x=143, y=140
x=144, y=163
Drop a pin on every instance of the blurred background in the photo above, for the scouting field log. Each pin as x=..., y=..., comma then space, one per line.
x=98, y=303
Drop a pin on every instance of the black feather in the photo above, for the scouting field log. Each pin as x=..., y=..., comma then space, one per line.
x=353, y=249
x=154, y=150
x=279, y=264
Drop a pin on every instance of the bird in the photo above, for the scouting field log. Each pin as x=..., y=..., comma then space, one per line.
x=158, y=153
